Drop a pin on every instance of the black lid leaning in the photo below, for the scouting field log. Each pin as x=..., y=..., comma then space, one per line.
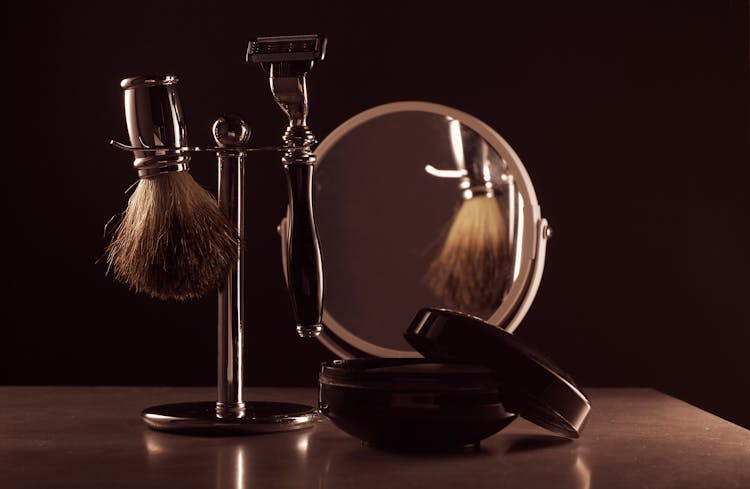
x=535, y=388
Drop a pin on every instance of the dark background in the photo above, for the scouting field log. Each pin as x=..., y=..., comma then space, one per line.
x=632, y=119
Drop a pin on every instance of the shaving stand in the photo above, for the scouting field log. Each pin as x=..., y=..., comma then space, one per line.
x=230, y=413
x=153, y=110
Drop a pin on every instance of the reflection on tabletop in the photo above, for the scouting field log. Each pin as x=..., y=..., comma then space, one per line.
x=316, y=458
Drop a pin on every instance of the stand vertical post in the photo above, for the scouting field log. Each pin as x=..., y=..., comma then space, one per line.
x=230, y=318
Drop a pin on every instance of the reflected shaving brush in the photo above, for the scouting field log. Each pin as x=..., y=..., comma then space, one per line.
x=471, y=271
x=172, y=242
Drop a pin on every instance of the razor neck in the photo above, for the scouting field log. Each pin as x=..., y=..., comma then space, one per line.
x=290, y=92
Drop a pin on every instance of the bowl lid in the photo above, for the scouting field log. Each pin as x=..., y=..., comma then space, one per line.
x=535, y=388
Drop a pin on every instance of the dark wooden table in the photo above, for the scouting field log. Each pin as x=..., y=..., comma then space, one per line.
x=92, y=437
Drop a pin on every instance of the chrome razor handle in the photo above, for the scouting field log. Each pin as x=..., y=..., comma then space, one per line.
x=304, y=267
x=304, y=262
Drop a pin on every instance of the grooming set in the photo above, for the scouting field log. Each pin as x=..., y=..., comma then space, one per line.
x=467, y=377
x=159, y=143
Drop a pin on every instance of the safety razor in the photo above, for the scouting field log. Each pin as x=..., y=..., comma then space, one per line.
x=288, y=60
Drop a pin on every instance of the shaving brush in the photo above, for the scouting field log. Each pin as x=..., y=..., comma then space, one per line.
x=472, y=269
x=172, y=242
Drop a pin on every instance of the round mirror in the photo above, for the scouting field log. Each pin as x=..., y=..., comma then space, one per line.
x=421, y=205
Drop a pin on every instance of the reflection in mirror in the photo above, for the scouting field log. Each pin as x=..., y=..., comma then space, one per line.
x=419, y=205
x=473, y=267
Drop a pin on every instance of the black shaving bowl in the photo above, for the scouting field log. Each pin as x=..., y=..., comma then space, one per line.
x=412, y=403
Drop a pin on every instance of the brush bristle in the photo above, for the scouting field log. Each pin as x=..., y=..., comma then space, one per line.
x=471, y=271
x=172, y=243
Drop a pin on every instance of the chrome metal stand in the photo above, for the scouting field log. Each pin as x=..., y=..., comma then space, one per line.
x=158, y=138
x=230, y=413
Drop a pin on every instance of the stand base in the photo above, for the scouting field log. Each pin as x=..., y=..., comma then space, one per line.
x=199, y=418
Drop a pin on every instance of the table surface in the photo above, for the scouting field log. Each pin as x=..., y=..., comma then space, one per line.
x=59, y=437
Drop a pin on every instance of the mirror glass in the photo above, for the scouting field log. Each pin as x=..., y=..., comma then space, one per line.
x=420, y=205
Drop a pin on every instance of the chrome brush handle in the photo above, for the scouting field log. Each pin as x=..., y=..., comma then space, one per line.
x=156, y=125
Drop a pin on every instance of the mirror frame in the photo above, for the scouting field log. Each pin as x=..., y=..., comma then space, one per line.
x=529, y=271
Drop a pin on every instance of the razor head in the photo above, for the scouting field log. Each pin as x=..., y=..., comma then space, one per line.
x=280, y=49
